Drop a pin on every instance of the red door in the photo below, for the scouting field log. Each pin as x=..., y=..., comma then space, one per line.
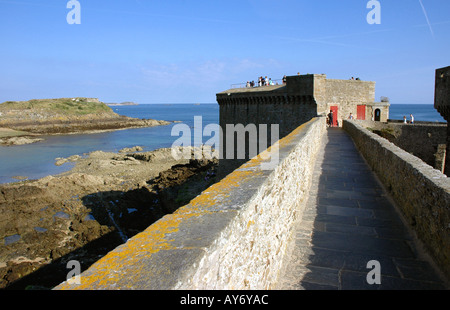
x=334, y=109
x=361, y=112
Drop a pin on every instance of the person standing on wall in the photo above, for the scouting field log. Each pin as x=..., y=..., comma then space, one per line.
x=330, y=117
x=412, y=118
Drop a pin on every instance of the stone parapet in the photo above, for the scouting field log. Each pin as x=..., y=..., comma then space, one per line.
x=421, y=193
x=233, y=236
x=423, y=140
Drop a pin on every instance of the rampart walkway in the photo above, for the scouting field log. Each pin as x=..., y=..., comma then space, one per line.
x=349, y=221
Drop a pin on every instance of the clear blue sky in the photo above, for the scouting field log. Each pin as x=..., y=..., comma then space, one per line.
x=185, y=51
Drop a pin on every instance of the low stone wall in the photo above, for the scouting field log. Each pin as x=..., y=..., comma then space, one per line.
x=421, y=192
x=421, y=139
x=233, y=236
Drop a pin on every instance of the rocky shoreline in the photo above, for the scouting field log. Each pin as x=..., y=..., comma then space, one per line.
x=31, y=132
x=82, y=125
x=87, y=212
x=21, y=140
x=10, y=137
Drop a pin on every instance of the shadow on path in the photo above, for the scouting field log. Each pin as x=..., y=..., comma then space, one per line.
x=348, y=222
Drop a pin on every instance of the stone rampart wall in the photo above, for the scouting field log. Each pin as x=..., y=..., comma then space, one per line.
x=442, y=104
x=263, y=108
x=442, y=92
x=350, y=91
x=233, y=236
x=421, y=192
x=347, y=95
x=422, y=140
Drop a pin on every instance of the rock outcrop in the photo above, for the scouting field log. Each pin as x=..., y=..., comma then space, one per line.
x=85, y=213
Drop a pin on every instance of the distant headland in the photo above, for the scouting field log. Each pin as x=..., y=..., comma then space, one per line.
x=28, y=119
x=121, y=104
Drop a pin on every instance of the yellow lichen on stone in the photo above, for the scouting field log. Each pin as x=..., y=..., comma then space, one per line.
x=127, y=259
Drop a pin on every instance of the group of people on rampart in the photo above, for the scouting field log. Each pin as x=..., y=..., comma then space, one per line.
x=264, y=81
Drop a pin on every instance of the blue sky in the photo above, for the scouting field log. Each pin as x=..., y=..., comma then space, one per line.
x=185, y=51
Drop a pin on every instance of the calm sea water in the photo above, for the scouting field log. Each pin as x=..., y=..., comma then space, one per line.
x=38, y=160
x=421, y=112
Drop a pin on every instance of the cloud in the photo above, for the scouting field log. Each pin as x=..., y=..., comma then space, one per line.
x=329, y=42
x=202, y=74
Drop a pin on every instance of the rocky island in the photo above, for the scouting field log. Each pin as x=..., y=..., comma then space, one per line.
x=24, y=121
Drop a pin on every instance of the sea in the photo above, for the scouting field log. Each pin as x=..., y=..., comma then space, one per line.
x=37, y=160
x=421, y=112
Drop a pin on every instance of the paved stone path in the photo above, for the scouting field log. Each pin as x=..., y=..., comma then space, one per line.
x=349, y=221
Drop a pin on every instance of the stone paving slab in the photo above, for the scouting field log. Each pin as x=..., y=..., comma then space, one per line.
x=349, y=221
